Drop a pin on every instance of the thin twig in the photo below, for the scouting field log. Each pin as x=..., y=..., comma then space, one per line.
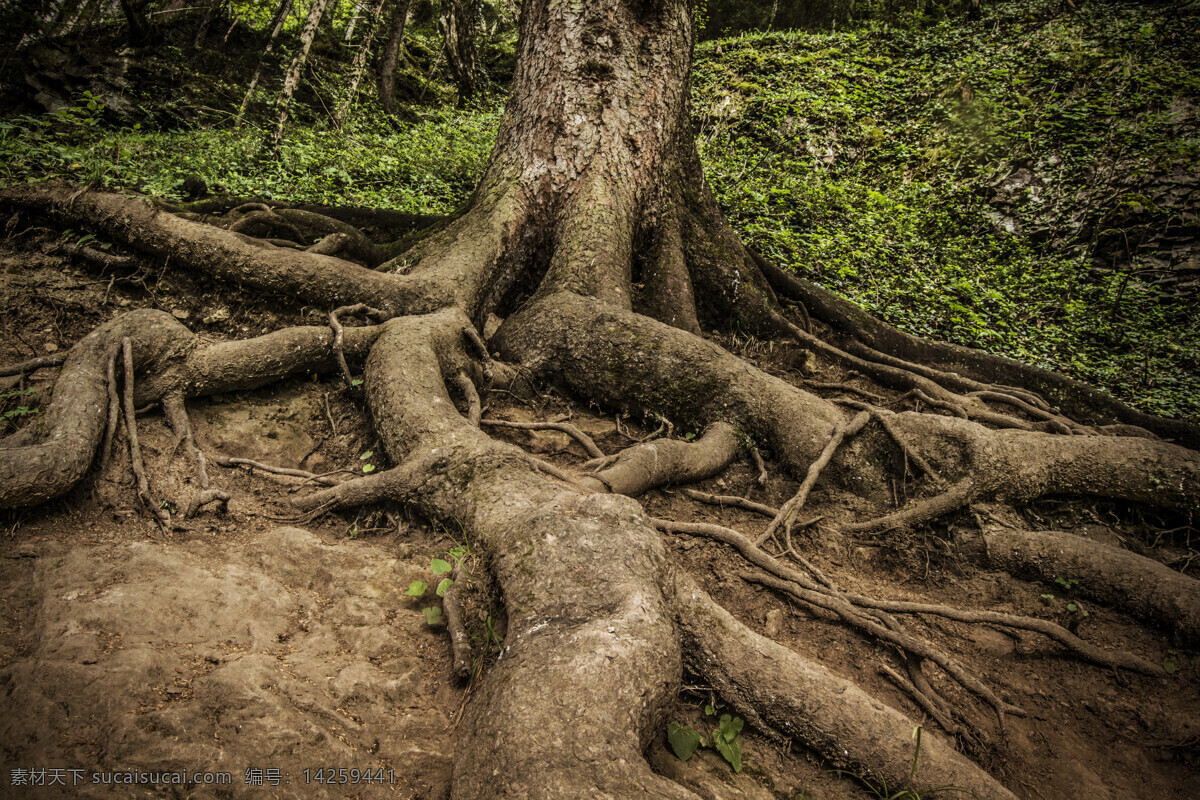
x=25, y=367
x=135, y=450
x=586, y=441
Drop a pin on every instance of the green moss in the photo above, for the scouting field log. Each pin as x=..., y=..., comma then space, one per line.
x=867, y=159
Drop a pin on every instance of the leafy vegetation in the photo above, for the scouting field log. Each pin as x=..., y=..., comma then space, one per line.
x=879, y=161
x=685, y=740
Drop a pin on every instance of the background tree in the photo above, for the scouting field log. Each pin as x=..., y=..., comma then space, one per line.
x=391, y=55
x=292, y=77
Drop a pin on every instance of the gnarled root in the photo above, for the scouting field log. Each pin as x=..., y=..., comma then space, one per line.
x=1109, y=575
x=645, y=466
x=802, y=700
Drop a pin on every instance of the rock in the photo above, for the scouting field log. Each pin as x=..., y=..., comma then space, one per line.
x=179, y=313
x=220, y=315
x=51, y=347
x=774, y=624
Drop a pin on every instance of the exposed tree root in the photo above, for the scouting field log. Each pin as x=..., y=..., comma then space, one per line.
x=135, y=450
x=799, y=699
x=808, y=592
x=1107, y=574
x=460, y=643
x=339, y=333
x=731, y=500
x=789, y=511
x=566, y=242
x=952, y=499
x=1076, y=400
x=33, y=364
x=471, y=394
x=114, y=409
x=642, y=467
x=226, y=461
x=881, y=416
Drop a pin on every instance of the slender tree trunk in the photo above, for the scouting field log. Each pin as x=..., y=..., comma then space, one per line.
x=292, y=78
x=214, y=8
x=391, y=56
x=135, y=16
x=281, y=15
x=352, y=23
x=359, y=63
x=459, y=22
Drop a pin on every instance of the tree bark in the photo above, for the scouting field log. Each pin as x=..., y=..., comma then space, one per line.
x=391, y=55
x=281, y=15
x=283, y=102
x=358, y=64
x=459, y=22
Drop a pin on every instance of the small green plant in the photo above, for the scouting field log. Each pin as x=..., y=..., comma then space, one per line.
x=11, y=415
x=1170, y=664
x=685, y=740
x=368, y=467
x=1067, y=583
x=441, y=568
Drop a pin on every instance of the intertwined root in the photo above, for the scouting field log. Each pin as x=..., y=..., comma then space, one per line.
x=597, y=609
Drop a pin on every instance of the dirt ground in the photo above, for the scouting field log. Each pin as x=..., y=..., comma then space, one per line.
x=281, y=649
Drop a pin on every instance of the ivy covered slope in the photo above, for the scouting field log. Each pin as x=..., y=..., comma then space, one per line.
x=1024, y=183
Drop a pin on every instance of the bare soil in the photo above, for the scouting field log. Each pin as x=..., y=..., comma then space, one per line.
x=258, y=640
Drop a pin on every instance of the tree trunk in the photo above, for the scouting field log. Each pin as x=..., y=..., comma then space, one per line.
x=391, y=56
x=283, y=102
x=352, y=23
x=358, y=64
x=459, y=22
x=595, y=237
x=281, y=15
x=135, y=17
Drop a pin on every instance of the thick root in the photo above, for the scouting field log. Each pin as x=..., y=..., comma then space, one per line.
x=804, y=701
x=75, y=421
x=1106, y=574
x=645, y=466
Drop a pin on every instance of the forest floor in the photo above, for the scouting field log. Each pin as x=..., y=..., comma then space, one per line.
x=257, y=640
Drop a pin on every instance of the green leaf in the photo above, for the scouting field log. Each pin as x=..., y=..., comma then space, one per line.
x=366, y=455
x=356, y=381
x=440, y=566
x=731, y=751
x=368, y=467
x=683, y=740
x=1170, y=665
x=1072, y=607
x=709, y=710
x=417, y=588
x=443, y=585
x=433, y=615
x=730, y=729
